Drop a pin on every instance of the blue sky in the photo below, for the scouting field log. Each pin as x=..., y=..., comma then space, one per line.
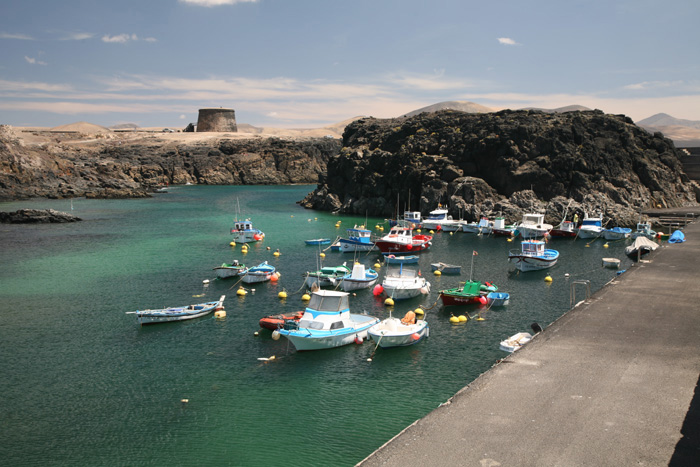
x=308, y=63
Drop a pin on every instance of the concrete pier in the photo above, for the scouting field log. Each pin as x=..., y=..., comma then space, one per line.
x=612, y=382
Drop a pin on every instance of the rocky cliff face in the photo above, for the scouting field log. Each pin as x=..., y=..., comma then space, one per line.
x=110, y=169
x=507, y=162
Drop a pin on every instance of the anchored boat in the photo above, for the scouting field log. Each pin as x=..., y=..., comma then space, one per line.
x=394, y=332
x=533, y=256
x=177, y=313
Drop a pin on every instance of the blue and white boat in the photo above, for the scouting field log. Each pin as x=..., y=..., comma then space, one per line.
x=498, y=298
x=326, y=323
x=260, y=273
x=617, y=233
x=243, y=232
x=394, y=332
x=359, y=278
x=533, y=256
x=591, y=227
x=644, y=230
x=318, y=241
x=401, y=259
x=359, y=239
x=177, y=313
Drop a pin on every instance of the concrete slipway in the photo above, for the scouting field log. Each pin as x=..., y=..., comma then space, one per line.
x=612, y=382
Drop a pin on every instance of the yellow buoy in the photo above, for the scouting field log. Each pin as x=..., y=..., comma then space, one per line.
x=510, y=239
x=232, y=244
x=605, y=246
x=588, y=245
x=389, y=302
x=220, y=314
x=418, y=230
x=282, y=294
x=454, y=319
x=241, y=291
x=276, y=253
x=451, y=233
x=437, y=272
x=462, y=318
x=377, y=265
x=306, y=297
x=432, y=232
x=322, y=255
x=548, y=279
x=419, y=311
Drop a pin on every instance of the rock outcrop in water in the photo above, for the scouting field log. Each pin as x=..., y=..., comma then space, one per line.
x=507, y=162
x=37, y=216
x=112, y=168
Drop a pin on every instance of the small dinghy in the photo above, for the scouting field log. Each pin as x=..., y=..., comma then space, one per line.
x=177, y=313
x=260, y=273
x=394, y=332
x=498, y=298
x=318, y=241
x=445, y=268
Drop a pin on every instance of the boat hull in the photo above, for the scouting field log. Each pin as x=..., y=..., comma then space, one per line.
x=224, y=272
x=392, y=333
x=389, y=247
x=515, y=341
x=350, y=246
x=402, y=290
x=589, y=233
x=498, y=299
x=254, y=277
x=445, y=268
x=309, y=339
x=527, y=263
x=357, y=284
x=406, y=259
x=449, y=299
x=167, y=315
x=562, y=233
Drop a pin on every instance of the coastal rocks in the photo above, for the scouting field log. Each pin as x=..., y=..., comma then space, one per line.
x=508, y=163
x=37, y=216
x=109, y=169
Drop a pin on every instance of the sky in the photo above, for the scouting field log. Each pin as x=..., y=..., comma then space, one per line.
x=311, y=63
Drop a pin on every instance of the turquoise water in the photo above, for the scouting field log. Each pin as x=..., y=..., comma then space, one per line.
x=84, y=384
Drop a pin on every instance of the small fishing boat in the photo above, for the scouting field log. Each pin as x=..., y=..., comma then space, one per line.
x=612, y=263
x=229, y=269
x=273, y=322
x=177, y=313
x=533, y=226
x=335, y=246
x=359, y=239
x=318, y=241
x=326, y=323
x=591, y=227
x=359, y=278
x=641, y=247
x=243, y=232
x=412, y=218
x=394, y=332
x=564, y=229
x=401, y=259
x=327, y=275
x=533, y=256
x=400, y=240
x=498, y=298
x=501, y=229
x=484, y=226
x=260, y=273
x=403, y=283
x=617, y=233
x=435, y=218
x=515, y=342
x=643, y=230
x=471, y=292
x=445, y=268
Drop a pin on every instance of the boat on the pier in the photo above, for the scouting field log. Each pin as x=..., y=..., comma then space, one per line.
x=232, y=269
x=400, y=240
x=243, y=232
x=358, y=278
x=260, y=273
x=326, y=323
x=273, y=322
x=359, y=239
x=533, y=256
x=326, y=276
x=641, y=247
x=515, y=342
x=177, y=313
x=402, y=283
x=395, y=332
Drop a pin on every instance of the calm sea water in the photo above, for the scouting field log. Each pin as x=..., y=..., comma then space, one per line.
x=84, y=384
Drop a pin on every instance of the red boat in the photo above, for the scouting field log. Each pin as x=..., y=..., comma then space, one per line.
x=274, y=322
x=565, y=229
x=400, y=240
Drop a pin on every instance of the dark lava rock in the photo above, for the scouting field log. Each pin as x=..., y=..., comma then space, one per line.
x=506, y=162
x=36, y=216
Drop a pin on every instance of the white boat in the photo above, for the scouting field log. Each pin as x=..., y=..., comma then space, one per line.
x=533, y=256
x=617, y=233
x=243, y=232
x=498, y=298
x=359, y=239
x=640, y=247
x=401, y=241
x=445, y=268
x=484, y=226
x=326, y=276
x=394, y=332
x=402, y=283
x=229, y=269
x=533, y=226
x=612, y=263
x=516, y=341
x=260, y=273
x=643, y=230
x=327, y=323
x=359, y=278
x=591, y=227
x=178, y=313
x=440, y=220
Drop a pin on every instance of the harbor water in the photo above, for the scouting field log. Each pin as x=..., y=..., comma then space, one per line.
x=84, y=384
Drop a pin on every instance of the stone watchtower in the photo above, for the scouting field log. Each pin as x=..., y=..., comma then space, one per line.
x=216, y=120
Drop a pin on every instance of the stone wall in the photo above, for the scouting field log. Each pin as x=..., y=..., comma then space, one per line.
x=217, y=120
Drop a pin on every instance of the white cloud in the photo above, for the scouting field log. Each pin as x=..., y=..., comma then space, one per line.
x=212, y=3
x=507, y=41
x=34, y=61
x=23, y=86
x=77, y=36
x=23, y=37
x=120, y=38
x=182, y=117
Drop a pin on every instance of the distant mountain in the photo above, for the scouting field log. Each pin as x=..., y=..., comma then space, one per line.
x=464, y=106
x=124, y=126
x=684, y=133
x=560, y=110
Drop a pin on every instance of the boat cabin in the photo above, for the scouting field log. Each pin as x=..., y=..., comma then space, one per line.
x=533, y=219
x=533, y=247
x=359, y=234
x=327, y=310
x=438, y=215
x=242, y=225
x=485, y=222
x=412, y=216
x=400, y=234
x=499, y=223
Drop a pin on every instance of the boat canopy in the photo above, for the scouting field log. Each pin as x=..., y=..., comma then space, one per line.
x=330, y=301
x=472, y=288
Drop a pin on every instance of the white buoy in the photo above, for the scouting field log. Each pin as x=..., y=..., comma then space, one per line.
x=205, y=281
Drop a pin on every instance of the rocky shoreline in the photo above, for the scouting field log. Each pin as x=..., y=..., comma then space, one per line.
x=506, y=163
x=37, y=216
